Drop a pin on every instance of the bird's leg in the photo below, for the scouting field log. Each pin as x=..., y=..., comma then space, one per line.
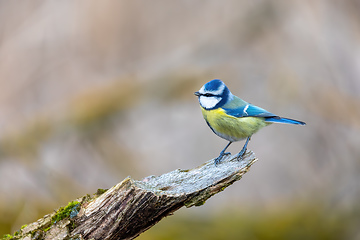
x=243, y=150
x=222, y=153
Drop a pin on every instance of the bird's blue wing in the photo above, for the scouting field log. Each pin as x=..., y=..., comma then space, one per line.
x=248, y=110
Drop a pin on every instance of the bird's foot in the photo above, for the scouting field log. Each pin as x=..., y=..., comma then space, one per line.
x=219, y=158
x=241, y=154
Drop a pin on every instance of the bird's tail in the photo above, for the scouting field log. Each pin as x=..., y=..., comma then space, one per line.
x=283, y=120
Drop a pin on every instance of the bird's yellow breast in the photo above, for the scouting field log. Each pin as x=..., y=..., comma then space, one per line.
x=232, y=128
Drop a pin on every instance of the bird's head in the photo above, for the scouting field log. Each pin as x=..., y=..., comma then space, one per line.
x=213, y=94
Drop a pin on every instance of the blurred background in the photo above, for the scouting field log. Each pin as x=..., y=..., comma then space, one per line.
x=94, y=91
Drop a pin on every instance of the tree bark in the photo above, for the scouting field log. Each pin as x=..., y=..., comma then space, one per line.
x=131, y=207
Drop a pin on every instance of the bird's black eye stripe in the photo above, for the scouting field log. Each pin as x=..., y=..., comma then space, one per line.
x=208, y=95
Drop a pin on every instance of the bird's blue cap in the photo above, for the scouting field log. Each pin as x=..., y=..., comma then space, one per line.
x=213, y=85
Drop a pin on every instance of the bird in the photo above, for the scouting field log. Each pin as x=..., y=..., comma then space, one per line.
x=232, y=118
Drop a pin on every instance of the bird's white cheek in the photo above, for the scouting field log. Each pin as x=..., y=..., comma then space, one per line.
x=209, y=102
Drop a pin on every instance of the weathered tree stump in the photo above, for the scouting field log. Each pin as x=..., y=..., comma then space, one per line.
x=131, y=207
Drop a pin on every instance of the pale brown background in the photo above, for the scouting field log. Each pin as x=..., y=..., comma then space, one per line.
x=94, y=91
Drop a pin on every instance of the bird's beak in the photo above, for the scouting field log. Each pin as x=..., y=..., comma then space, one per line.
x=197, y=94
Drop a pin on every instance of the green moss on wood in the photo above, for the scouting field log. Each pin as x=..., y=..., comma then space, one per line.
x=71, y=210
x=8, y=237
x=100, y=191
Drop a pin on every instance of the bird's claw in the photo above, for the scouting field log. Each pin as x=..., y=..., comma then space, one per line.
x=219, y=158
x=241, y=154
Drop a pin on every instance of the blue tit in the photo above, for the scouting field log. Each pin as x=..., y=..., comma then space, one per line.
x=232, y=118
